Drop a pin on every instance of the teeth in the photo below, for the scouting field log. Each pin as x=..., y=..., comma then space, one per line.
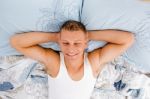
x=71, y=54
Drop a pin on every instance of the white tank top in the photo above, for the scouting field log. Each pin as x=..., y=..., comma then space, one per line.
x=63, y=87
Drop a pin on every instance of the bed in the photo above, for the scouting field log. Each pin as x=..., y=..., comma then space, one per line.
x=24, y=78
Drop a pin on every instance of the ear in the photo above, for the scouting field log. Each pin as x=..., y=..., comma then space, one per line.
x=87, y=40
x=86, y=37
x=86, y=45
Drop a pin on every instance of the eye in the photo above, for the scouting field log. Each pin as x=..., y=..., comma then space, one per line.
x=77, y=43
x=65, y=43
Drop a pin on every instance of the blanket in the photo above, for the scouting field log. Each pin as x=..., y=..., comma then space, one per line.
x=24, y=78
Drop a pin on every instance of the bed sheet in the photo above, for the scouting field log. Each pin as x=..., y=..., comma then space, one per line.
x=24, y=78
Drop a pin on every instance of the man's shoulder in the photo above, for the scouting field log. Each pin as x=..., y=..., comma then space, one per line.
x=52, y=62
x=95, y=60
x=95, y=53
x=52, y=56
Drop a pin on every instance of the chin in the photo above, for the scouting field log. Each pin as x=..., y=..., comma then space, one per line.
x=72, y=57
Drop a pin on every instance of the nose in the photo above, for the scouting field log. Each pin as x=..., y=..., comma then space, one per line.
x=71, y=49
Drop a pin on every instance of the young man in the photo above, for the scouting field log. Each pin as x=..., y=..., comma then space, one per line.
x=72, y=72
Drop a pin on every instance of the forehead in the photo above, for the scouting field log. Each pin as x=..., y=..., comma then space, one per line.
x=72, y=35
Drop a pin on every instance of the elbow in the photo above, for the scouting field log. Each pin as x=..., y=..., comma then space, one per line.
x=13, y=41
x=130, y=40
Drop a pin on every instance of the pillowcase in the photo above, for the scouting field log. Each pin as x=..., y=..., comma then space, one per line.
x=127, y=15
x=18, y=16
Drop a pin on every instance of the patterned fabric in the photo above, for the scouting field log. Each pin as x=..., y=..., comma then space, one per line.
x=118, y=80
x=27, y=77
x=121, y=79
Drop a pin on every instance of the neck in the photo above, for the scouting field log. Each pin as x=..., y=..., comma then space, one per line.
x=74, y=64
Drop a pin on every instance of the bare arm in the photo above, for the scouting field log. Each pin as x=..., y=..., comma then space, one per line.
x=27, y=43
x=118, y=42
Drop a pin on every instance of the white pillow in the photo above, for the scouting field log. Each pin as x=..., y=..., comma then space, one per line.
x=18, y=16
x=127, y=15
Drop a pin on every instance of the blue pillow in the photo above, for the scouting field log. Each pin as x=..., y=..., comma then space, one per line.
x=127, y=15
x=18, y=16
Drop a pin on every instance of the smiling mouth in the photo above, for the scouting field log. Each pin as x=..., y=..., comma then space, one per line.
x=71, y=55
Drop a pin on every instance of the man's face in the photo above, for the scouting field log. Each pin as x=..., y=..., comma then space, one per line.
x=73, y=43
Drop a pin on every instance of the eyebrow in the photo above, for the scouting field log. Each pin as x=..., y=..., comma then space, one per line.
x=75, y=40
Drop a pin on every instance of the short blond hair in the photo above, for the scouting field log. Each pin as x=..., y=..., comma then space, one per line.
x=72, y=25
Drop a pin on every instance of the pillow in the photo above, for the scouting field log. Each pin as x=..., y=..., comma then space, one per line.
x=127, y=15
x=18, y=16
